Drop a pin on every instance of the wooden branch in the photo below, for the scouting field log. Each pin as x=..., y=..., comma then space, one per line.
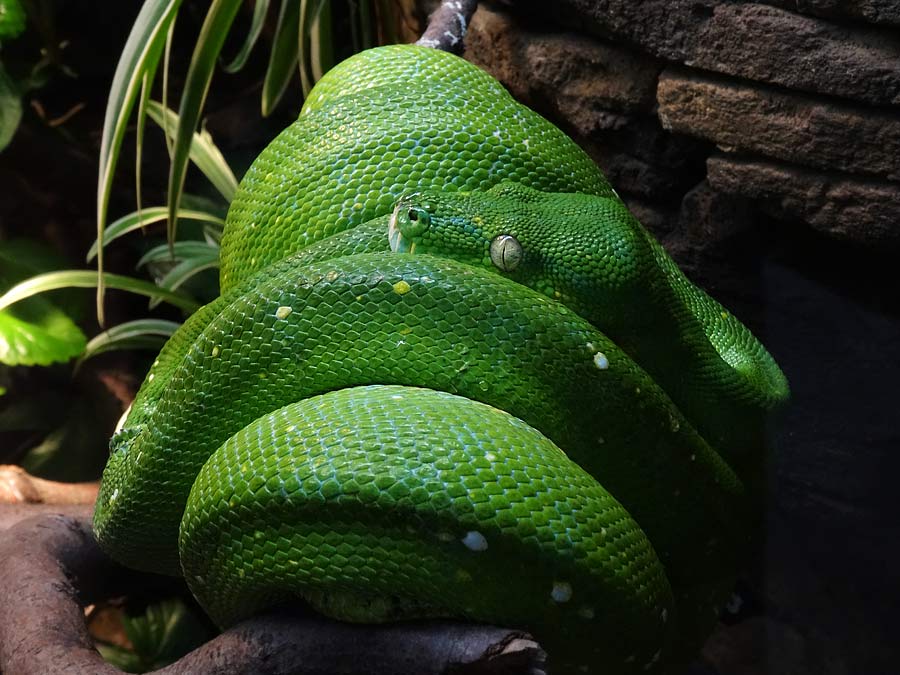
x=19, y=487
x=448, y=24
x=51, y=566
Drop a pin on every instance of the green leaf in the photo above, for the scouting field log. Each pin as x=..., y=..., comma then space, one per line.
x=260, y=9
x=162, y=634
x=140, y=57
x=187, y=268
x=36, y=333
x=12, y=18
x=283, y=58
x=182, y=250
x=321, y=57
x=10, y=108
x=206, y=51
x=86, y=279
x=138, y=334
x=139, y=219
x=203, y=151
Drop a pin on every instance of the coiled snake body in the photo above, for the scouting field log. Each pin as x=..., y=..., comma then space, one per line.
x=403, y=405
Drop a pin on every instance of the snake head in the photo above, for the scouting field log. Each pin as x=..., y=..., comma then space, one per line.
x=410, y=220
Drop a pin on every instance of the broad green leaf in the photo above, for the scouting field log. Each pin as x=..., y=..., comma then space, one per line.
x=203, y=151
x=139, y=57
x=12, y=18
x=260, y=9
x=36, y=333
x=10, y=108
x=21, y=258
x=139, y=219
x=182, y=250
x=86, y=279
x=209, y=45
x=283, y=58
x=139, y=334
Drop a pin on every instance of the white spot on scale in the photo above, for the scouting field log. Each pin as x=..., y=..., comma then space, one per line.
x=283, y=312
x=150, y=377
x=601, y=361
x=396, y=397
x=114, y=496
x=562, y=591
x=490, y=456
x=497, y=134
x=475, y=541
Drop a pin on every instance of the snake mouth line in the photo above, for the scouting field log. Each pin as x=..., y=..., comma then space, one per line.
x=398, y=243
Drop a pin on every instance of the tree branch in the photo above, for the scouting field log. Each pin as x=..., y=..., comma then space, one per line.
x=51, y=566
x=448, y=24
x=19, y=487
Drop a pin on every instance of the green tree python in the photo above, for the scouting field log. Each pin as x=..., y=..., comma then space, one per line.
x=448, y=375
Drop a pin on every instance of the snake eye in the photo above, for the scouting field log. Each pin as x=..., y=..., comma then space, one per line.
x=417, y=215
x=506, y=252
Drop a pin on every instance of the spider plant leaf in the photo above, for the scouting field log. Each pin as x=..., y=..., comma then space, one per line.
x=138, y=334
x=184, y=270
x=182, y=250
x=139, y=219
x=140, y=57
x=260, y=9
x=203, y=151
x=321, y=52
x=206, y=51
x=283, y=57
x=87, y=279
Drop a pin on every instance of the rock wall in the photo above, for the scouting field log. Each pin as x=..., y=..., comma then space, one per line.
x=789, y=108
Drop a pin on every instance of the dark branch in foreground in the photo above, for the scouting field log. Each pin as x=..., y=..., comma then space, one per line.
x=447, y=26
x=51, y=567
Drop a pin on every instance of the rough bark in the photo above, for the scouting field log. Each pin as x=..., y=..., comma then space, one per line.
x=51, y=566
x=19, y=487
x=448, y=24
